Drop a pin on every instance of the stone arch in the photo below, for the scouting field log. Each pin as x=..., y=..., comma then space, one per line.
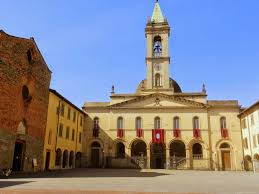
x=65, y=159
x=120, y=140
x=96, y=140
x=199, y=161
x=177, y=139
x=193, y=141
x=222, y=141
x=248, y=165
x=58, y=157
x=256, y=157
x=120, y=150
x=139, y=139
x=138, y=148
x=71, y=159
x=96, y=153
x=177, y=149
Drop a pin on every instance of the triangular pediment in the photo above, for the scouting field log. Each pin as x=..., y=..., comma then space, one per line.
x=158, y=100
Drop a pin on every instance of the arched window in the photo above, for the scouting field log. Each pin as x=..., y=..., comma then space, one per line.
x=157, y=46
x=157, y=123
x=120, y=150
x=138, y=123
x=176, y=123
x=223, y=123
x=196, y=123
x=96, y=123
x=120, y=123
x=197, y=151
x=157, y=80
x=58, y=157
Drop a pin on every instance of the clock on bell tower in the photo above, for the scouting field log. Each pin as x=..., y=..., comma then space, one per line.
x=157, y=55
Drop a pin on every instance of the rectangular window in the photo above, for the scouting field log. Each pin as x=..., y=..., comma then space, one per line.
x=243, y=124
x=80, y=137
x=68, y=113
x=252, y=119
x=245, y=143
x=60, y=132
x=67, y=133
x=254, y=141
x=74, y=117
x=73, y=134
x=81, y=121
x=62, y=111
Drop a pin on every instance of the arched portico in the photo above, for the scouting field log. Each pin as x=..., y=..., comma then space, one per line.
x=157, y=156
x=198, y=155
x=65, y=159
x=120, y=150
x=139, y=153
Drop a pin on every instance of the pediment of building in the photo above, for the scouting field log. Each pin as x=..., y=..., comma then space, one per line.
x=159, y=100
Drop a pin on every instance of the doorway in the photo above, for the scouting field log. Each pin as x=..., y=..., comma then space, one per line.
x=225, y=156
x=95, y=155
x=47, y=160
x=226, y=162
x=18, y=156
x=158, y=156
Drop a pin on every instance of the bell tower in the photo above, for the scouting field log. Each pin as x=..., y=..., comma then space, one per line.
x=157, y=54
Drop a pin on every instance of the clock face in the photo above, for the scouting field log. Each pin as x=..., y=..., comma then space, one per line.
x=157, y=67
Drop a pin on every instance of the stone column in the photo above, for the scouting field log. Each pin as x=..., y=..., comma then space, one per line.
x=148, y=158
x=128, y=152
x=167, y=166
x=188, y=159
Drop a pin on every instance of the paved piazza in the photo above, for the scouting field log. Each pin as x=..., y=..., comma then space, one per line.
x=130, y=181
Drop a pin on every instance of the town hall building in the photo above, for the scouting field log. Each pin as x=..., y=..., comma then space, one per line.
x=160, y=126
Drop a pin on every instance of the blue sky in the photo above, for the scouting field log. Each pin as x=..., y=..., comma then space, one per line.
x=91, y=45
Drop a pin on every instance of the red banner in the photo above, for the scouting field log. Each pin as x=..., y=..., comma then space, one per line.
x=158, y=135
x=140, y=133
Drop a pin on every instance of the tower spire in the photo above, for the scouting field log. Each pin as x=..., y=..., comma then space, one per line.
x=157, y=16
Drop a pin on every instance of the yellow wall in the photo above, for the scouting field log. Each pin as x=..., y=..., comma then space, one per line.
x=53, y=124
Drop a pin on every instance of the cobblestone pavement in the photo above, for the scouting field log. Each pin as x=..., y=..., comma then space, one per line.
x=107, y=181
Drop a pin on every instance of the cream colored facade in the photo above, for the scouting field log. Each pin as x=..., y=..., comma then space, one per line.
x=63, y=137
x=250, y=134
x=192, y=131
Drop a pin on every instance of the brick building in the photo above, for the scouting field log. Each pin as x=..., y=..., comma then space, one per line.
x=24, y=88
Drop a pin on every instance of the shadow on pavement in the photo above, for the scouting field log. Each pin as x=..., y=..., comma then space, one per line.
x=4, y=184
x=85, y=173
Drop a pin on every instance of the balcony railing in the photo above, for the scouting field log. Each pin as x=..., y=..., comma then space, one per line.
x=197, y=156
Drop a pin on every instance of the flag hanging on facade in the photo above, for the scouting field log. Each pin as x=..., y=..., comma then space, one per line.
x=158, y=135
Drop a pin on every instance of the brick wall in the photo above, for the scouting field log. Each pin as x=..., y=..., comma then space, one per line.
x=16, y=71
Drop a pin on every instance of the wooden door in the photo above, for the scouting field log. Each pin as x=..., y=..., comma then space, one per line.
x=95, y=158
x=226, y=161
